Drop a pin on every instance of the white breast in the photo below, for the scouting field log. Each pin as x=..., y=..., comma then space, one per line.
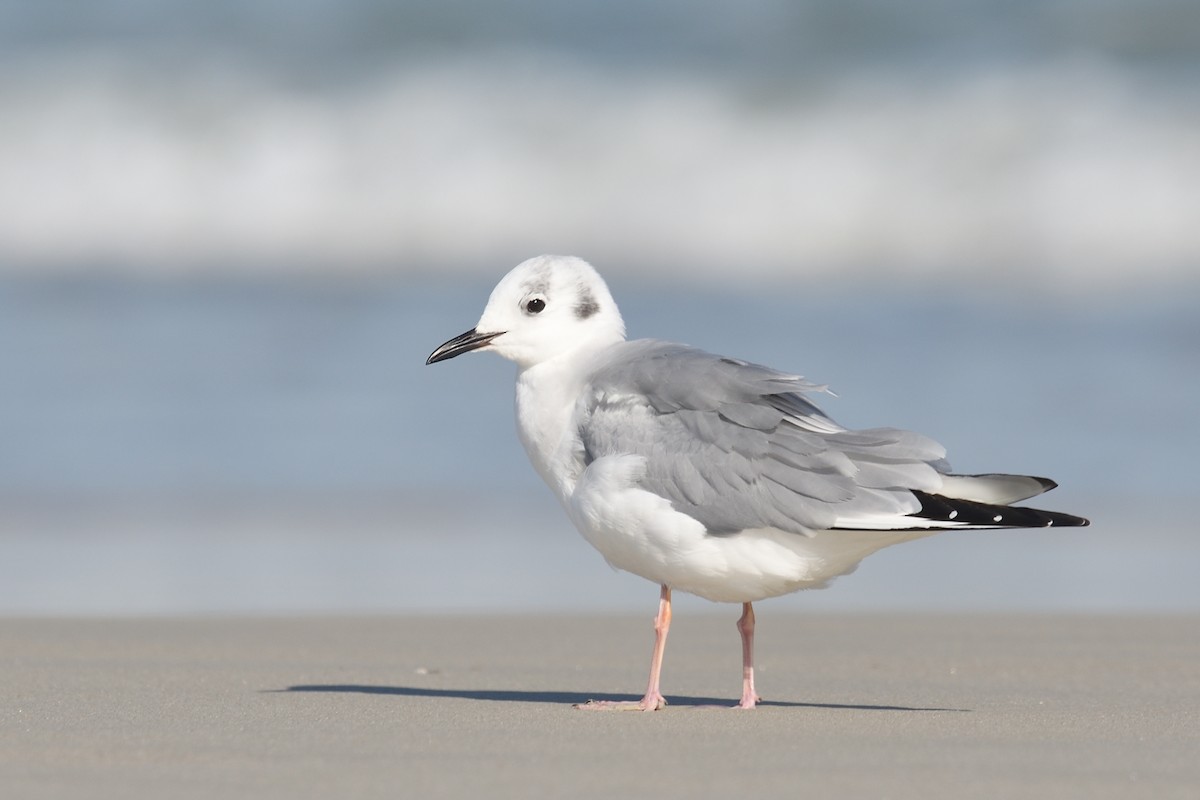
x=640, y=532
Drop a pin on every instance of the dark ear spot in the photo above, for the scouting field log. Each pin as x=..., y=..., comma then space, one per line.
x=587, y=306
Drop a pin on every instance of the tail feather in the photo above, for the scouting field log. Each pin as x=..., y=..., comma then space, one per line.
x=993, y=488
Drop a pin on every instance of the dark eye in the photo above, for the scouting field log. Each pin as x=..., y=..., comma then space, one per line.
x=535, y=305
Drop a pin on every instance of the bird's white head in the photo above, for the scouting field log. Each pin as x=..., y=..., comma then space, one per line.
x=546, y=307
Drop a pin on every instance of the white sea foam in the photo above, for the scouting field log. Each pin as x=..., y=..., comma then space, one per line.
x=1072, y=170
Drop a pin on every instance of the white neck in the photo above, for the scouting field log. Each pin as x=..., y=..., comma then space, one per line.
x=547, y=395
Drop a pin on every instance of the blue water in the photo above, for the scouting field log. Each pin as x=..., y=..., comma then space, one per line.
x=235, y=445
x=230, y=233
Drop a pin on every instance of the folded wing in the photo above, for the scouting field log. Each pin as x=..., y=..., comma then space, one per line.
x=738, y=446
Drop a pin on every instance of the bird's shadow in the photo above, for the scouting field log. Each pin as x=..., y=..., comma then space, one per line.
x=575, y=698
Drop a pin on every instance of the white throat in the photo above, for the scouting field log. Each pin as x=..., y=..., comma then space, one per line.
x=546, y=400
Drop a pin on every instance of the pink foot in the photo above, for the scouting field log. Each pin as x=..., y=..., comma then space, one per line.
x=750, y=701
x=647, y=703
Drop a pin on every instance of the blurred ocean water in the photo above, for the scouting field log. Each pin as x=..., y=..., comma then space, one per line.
x=1053, y=139
x=231, y=445
x=231, y=232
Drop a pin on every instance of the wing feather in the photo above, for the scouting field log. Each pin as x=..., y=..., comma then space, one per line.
x=737, y=446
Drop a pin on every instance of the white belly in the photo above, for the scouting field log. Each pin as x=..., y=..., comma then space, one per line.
x=640, y=532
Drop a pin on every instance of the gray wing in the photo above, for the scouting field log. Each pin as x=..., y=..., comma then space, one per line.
x=737, y=445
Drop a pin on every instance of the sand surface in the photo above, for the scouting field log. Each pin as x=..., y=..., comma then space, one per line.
x=857, y=706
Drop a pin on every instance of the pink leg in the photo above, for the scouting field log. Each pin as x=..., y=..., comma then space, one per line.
x=745, y=627
x=653, y=699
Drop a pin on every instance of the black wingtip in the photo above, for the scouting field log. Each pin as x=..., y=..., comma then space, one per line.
x=970, y=514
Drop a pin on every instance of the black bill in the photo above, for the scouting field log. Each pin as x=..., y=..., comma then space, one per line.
x=464, y=342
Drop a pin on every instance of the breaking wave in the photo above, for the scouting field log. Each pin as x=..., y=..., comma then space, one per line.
x=1069, y=171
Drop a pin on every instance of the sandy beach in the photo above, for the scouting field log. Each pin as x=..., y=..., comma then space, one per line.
x=856, y=706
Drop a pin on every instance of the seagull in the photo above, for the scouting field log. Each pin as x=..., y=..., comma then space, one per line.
x=707, y=474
